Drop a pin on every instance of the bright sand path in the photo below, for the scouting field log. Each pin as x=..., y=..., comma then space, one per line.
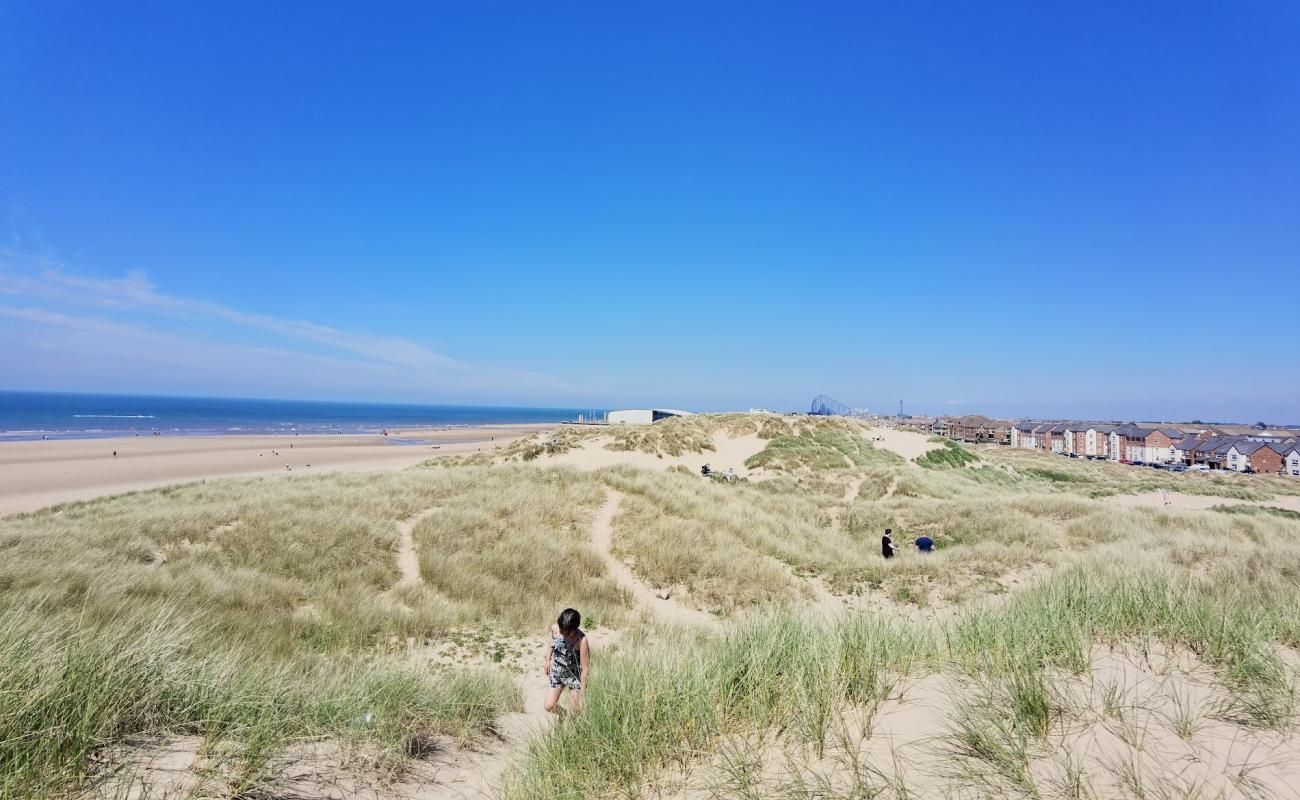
x=42, y=473
x=665, y=609
x=408, y=560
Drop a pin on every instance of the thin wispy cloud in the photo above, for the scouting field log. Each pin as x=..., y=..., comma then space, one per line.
x=39, y=294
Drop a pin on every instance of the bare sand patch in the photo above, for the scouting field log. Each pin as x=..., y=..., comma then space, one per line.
x=1177, y=501
x=908, y=444
x=1141, y=722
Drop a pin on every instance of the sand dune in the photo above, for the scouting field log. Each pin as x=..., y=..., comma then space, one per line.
x=727, y=453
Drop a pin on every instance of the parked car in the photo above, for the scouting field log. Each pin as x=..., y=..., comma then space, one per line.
x=1199, y=468
x=1248, y=471
x=1177, y=467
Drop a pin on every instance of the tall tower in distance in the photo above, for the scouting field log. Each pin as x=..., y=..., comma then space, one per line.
x=900, y=407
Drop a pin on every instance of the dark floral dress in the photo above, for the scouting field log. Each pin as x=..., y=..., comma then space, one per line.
x=566, y=663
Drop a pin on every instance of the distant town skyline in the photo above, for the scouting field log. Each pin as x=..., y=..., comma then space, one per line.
x=1078, y=212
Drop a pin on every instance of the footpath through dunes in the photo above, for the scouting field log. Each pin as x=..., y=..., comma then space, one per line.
x=659, y=603
x=408, y=561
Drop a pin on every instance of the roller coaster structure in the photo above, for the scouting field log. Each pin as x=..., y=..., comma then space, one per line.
x=823, y=406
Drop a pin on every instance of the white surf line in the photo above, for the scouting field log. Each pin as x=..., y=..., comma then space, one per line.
x=408, y=563
x=667, y=610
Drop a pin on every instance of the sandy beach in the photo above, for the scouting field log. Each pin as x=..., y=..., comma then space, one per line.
x=36, y=474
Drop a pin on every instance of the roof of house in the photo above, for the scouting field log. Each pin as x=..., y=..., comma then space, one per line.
x=1172, y=433
x=1219, y=444
x=1247, y=447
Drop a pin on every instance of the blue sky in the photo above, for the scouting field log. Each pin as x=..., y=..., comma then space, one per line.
x=1085, y=209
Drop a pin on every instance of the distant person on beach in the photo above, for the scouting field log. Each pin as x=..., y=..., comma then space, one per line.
x=567, y=660
x=887, y=544
x=114, y=454
x=731, y=473
x=925, y=544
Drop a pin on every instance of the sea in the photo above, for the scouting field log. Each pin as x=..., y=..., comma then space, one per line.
x=58, y=415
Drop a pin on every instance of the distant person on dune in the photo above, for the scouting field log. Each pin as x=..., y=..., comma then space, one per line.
x=567, y=660
x=887, y=544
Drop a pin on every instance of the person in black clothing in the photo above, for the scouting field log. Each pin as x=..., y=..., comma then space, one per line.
x=887, y=544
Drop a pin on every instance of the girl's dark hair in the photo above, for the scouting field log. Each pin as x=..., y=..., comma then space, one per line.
x=569, y=620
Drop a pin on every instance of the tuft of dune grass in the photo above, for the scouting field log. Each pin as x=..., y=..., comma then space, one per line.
x=68, y=691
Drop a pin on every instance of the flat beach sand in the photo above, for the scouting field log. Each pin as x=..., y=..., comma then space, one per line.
x=37, y=474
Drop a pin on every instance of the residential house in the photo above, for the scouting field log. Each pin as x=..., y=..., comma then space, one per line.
x=1128, y=443
x=1075, y=436
x=1148, y=445
x=919, y=424
x=978, y=428
x=1185, y=448
x=1261, y=457
x=1162, y=445
x=1096, y=440
x=1022, y=434
x=1291, y=465
x=1213, y=452
x=1050, y=436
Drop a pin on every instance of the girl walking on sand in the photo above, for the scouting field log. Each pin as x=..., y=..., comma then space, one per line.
x=566, y=660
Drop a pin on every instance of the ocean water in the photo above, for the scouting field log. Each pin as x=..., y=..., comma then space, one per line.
x=37, y=415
